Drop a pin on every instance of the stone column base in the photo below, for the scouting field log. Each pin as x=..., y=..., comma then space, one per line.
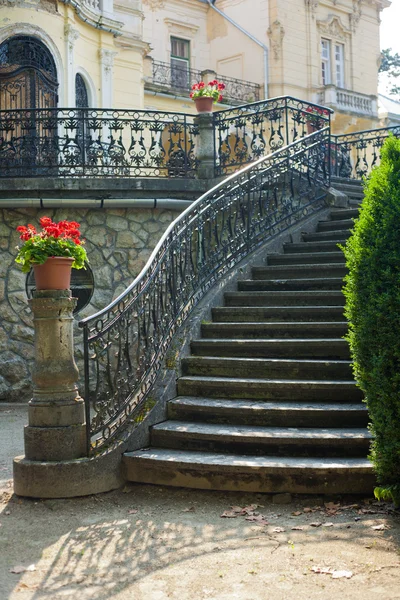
x=68, y=479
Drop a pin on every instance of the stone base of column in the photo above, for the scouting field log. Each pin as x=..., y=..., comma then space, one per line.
x=68, y=479
x=55, y=443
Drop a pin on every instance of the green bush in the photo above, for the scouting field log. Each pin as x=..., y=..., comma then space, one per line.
x=372, y=293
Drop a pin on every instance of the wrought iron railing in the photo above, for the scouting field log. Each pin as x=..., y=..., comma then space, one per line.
x=353, y=155
x=246, y=133
x=181, y=79
x=64, y=142
x=124, y=344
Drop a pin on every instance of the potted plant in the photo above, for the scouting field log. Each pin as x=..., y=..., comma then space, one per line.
x=52, y=252
x=205, y=95
x=314, y=118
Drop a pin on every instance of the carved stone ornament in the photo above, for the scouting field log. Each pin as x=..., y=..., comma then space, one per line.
x=334, y=28
x=154, y=4
x=312, y=6
x=355, y=16
x=107, y=58
x=71, y=35
x=276, y=34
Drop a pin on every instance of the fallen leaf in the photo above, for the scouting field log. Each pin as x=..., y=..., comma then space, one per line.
x=307, y=509
x=247, y=510
x=237, y=509
x=379, y=527
x=332, y=505
x=278, y=530
x=21, y=569
x=190, y=509
x=298, y=528
x=229, y=514
x=259, y=519
x=316, y=524
x=327, y=524
x=340, y=574
x=133, y=511
x=350, y=506
x=7, y=512
x=297, y=513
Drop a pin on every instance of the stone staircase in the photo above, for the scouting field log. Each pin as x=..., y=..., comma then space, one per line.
x=267, y=401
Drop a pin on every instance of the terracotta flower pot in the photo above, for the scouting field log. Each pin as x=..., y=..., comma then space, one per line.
x=54, y=274
x=204, y=104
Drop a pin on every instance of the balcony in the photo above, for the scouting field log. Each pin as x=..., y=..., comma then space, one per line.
x=348, y=101
x=162, y=77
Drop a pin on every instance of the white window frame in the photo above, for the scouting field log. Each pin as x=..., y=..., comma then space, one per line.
x=339, y=64
x=332, y=63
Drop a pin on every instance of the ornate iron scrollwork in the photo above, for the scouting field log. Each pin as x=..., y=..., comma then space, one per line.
x=126, y=342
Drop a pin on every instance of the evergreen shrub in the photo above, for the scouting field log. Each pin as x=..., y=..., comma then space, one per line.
x=372, y=291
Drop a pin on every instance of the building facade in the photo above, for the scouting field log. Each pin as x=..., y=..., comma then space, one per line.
x=147, y=53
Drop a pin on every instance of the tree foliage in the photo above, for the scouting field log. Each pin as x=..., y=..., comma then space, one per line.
x=372, y=291
x=390, y=64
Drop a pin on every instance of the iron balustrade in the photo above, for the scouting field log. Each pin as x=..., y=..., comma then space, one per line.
x=245, y=133
x=181, y=79
x=354, y=155
x=125, y=343
x=92, y=142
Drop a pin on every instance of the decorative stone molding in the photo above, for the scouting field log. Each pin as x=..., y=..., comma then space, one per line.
x=180, y=28
x=106, y=63
x=154, y=4
x=333, y=27
x=71, y=35
x=355, y=16
x=276, y=34
x=312, y=6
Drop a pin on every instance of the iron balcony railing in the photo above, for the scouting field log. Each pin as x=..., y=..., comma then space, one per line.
x=354, y=155
x=181, y=79
x=125, y=343
x=93, y=142
x=245, y=133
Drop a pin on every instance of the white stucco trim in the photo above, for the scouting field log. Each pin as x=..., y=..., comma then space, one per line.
x=35, y=31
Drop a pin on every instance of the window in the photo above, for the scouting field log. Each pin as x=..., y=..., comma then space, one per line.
x=339, y=65
x=337, y=77
x=180, y=62
x=326, y=62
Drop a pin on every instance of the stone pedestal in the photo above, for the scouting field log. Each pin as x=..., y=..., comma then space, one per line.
x=56, y=414
x=205, y=146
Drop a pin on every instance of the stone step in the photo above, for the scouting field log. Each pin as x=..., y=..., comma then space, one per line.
x=344, y=213
x=258, y=440
x=277, y=313
x=269, y=389
x=307, y=247
x=285, y=298
x=322, y=283
x=335, y=225
x=339, y=236
x=328, y=349
x=306, y=258
x=264, y=330
x=265, y=368
x=266, y=474
x=272, y=414
x=301, y=271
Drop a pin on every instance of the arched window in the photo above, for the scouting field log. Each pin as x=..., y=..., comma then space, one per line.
x=81, y=95
x=28, y=75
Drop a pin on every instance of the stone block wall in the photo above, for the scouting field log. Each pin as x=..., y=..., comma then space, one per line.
x=118, y=242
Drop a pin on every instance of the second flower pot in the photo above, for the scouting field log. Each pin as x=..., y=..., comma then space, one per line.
x=54, y=274
x=204, y=104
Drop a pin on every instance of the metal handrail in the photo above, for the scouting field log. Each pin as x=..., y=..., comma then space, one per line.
x=125, y=342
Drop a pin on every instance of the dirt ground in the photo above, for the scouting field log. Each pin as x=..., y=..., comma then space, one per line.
x=152, y=543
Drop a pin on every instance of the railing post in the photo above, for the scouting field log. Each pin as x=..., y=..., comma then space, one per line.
x=205, y=145
x=56, y=413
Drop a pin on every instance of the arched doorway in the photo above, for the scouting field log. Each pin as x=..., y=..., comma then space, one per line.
x=28, y=91
x=28, y=75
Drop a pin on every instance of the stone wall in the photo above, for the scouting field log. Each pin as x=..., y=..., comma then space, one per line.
x=118, y=242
